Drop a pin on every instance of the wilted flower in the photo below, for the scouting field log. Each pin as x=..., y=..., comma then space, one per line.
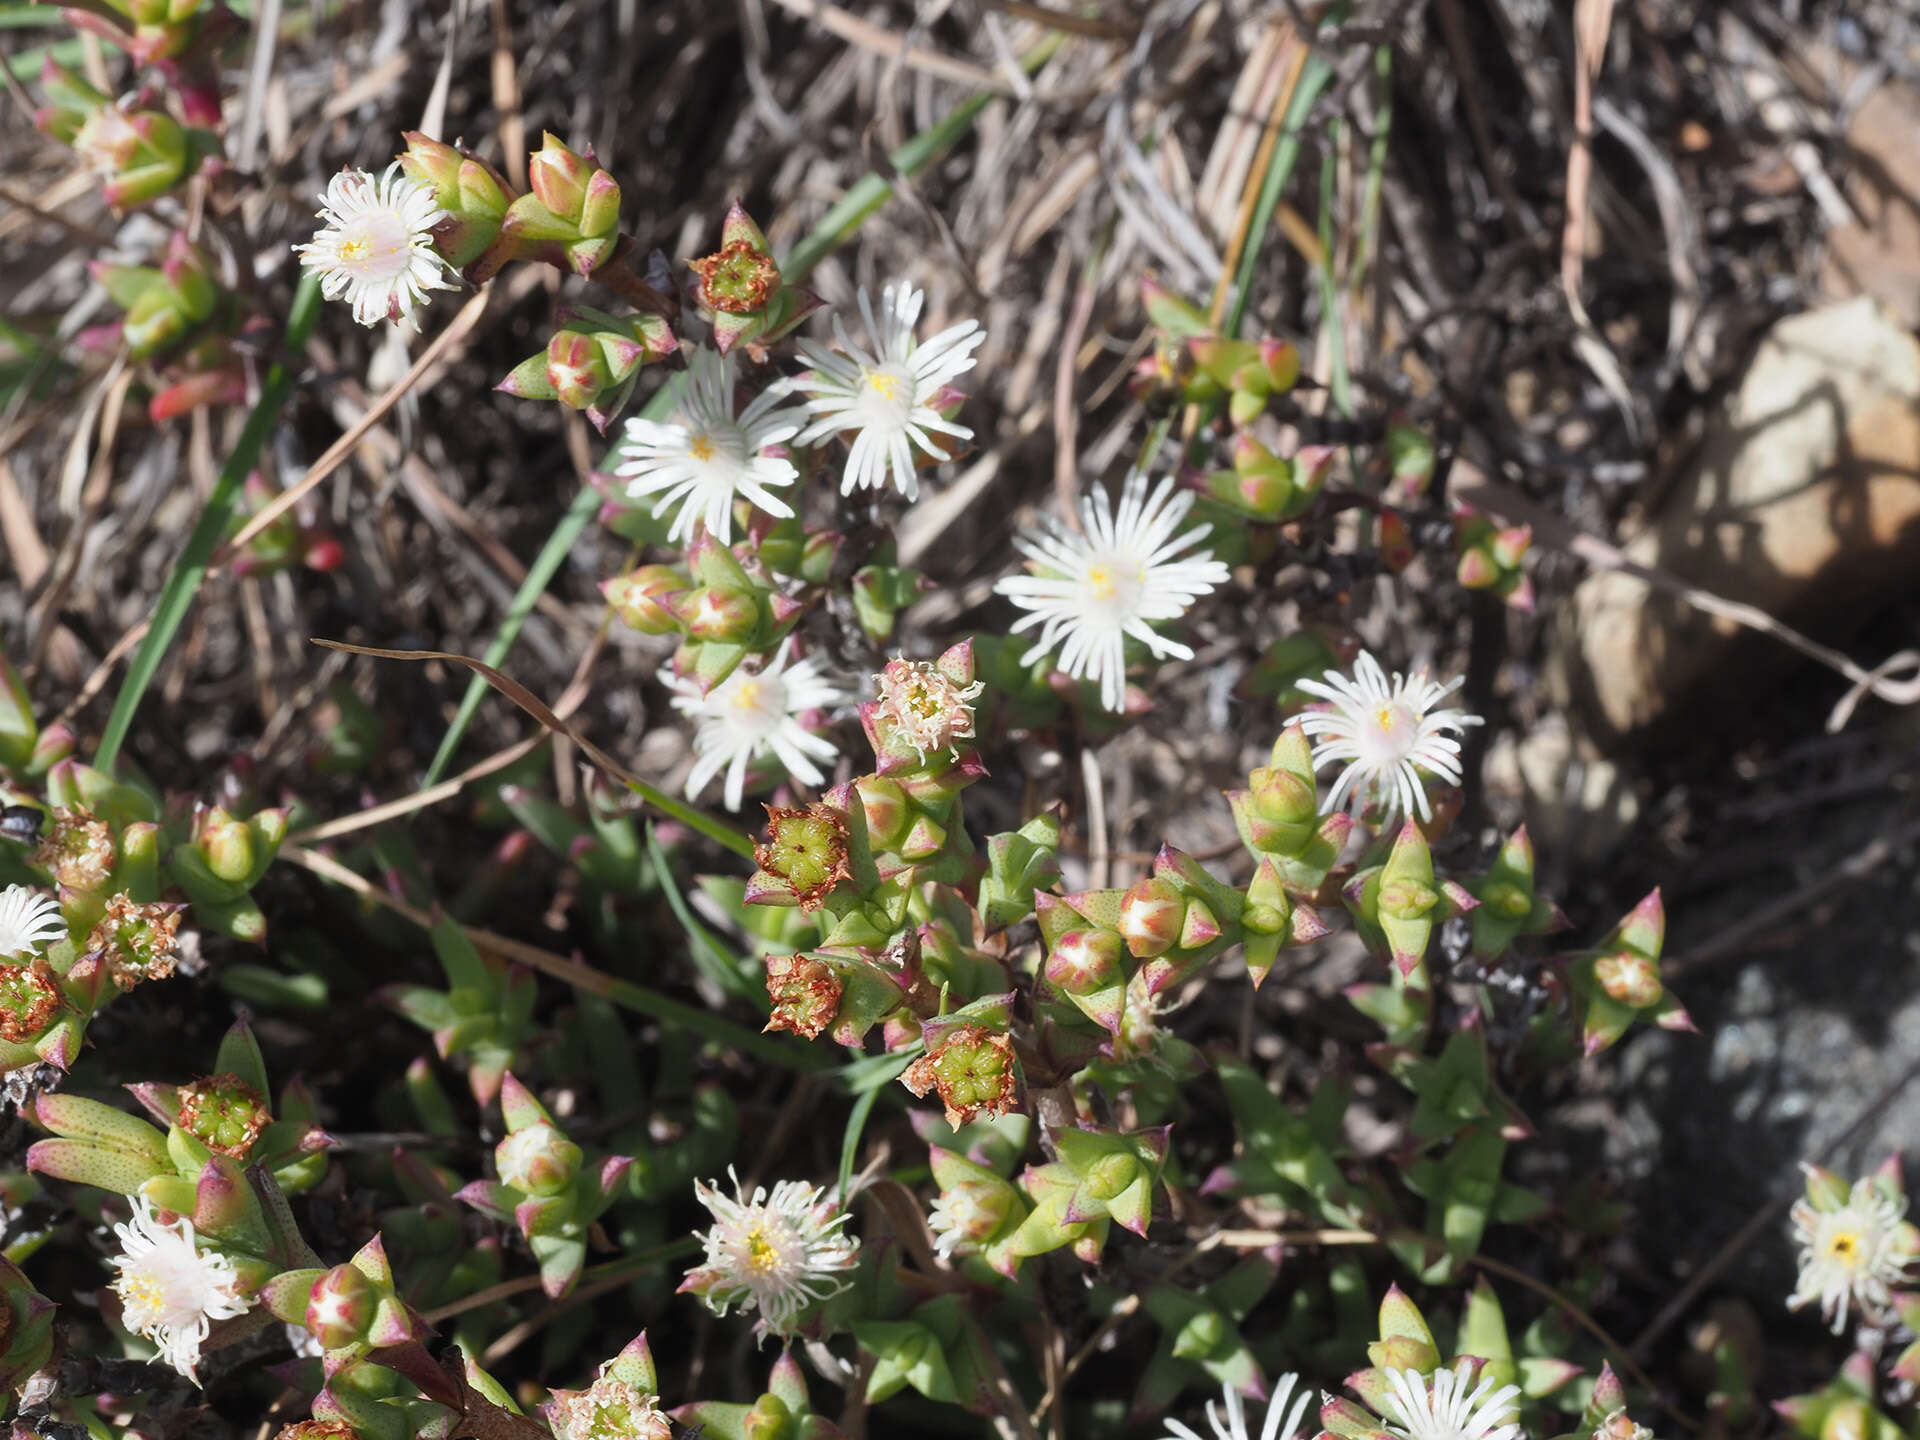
x=1851, y=1253
x=1129, y=569
x=78, y=851
x=608, y=1409
x=28, y=920
x=709, y=456
x=224, y=1113
x=886, y=397
x=751, y=715
x=1384, y=733
x=803, y=994
x=29, y=999
x=965, y=1214
x=924, y=708
x=1228, y=1418
x=170, y=1290
x=136, y=941
x=1443, y=1408
x=376, y=249
x=775, y=1253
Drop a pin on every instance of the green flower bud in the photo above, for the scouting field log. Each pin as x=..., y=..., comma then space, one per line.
x=1151, y=915
x=537, y=1160
x=341, y=1307
x=636, y=598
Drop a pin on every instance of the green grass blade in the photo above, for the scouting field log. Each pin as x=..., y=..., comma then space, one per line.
x=191, y=568
x=1315, y=76
x=715, y=961
x=862, y=1109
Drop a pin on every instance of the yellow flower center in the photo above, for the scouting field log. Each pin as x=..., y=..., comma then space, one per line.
x=1385, y=717
x=886, y=386
x=700, y=447
x=140, y=1292
x=358, y=248
x=762, y=1253
x=747, y=697
x=1844, y=1246
x=1101, y=582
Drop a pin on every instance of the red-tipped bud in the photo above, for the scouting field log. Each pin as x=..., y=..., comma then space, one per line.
x=1151, y=914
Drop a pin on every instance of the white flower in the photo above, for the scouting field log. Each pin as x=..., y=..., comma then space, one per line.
x=1280, y=1424
x=1851, y=1254
x=1385, y=735
x=376, y=249
x=963, y=1215
x=28, y=920
x=170, y=1291
x=1444, y=1409
x=711, y=456
x=883, y=397
x=1129, y=569
x=748, y=716
x=775, y=1253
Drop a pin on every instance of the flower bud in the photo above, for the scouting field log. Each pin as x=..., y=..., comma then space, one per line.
x=224, y=1113
x=473, y=196
x=1631, y=979
x=805, y=994
x=1109, y=1175
x=818, y=554
x=576, y=369
x=71, y=102
x=573, y=215
x=888, y=811
x=636, y=598
x=805, y=854
x=1281, y=360
x=973, y=1070
x=720, y=614
x=341, y=1306
x=1281, y=797
x=1151, y=914
x=537, y=1160
x=560, y=177
x=1083, y=960
x=1407, y=899
x=226, y=845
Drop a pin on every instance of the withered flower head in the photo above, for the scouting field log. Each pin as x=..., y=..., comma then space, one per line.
x=805, y=852
x=224, y=1113
x=29, y=999
x=79, y=851
x=805, y=994
x=738, y=279
x=973, y=1069
x=136, y=942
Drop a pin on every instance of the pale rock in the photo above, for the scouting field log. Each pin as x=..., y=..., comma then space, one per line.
x=1577, y=803
x=1804, y=502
